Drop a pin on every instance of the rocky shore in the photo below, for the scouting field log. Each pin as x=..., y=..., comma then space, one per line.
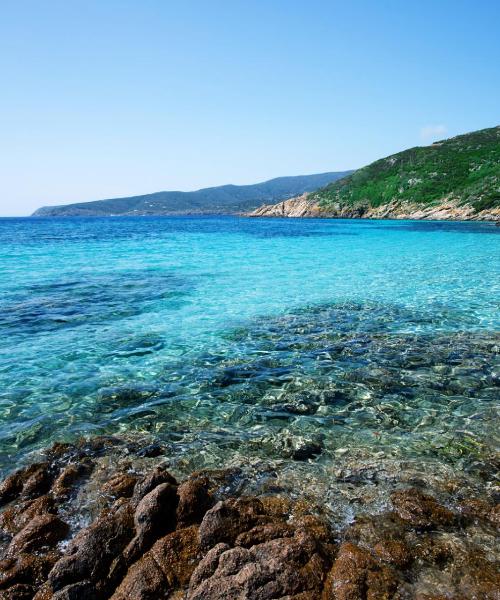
x=105, y=518
x=306, y=206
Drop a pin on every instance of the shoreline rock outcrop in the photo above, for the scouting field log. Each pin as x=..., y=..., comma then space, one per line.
x=144, y=536
x=306, y=206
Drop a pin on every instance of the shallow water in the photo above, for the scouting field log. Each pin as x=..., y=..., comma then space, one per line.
x=305, y=351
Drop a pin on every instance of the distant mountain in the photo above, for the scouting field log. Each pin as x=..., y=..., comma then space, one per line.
x=225, y=199
x=457, y=178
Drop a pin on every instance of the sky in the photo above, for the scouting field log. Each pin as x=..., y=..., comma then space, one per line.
x=105, y=98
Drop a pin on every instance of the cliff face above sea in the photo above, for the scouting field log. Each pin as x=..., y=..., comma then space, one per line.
x=307, y=206
x=455, y=179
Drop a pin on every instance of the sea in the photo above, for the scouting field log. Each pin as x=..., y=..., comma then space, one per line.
x=331, y=358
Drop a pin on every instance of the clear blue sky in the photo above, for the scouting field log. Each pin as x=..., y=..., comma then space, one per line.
x=103, y=98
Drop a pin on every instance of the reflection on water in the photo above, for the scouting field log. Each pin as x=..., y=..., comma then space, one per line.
x=325, y=358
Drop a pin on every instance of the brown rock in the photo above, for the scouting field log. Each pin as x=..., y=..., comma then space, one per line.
x=83, y=590
x=27, y=569
x=42, y=531
x=60, y=450
x=229, y=518
x=277, y=506
x=355, y=575
x=494, y=515
x=420, y=510
x=44, y=592
x=479, y=577
x=29, y=482
x=433, y=549
x=153, y=479
x=264, y=533
x=121, y=485
x=167, y=566
x=91, y=552
x=178, y=554
x=394, y=552
x=144, y=581
x=194, y=501
x=16, y=517
x=37, y=481
x=68, y=477
x=279, y=568
x=154, y=517
x=369, y=530
x=98, y=445
x=19, y=591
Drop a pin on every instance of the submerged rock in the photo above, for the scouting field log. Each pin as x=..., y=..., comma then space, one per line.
x=355, y=574
x=200, y=539
x=420, y=510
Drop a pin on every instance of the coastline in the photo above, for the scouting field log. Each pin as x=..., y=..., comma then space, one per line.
x=359, y=432
x=305, y=207
x=105, y=518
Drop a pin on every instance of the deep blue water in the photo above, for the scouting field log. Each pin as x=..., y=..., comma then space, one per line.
x=242, y=341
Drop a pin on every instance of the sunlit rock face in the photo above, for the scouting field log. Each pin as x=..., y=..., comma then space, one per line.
x=99, y=520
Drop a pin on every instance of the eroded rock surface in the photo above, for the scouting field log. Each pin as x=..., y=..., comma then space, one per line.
x=85, y=525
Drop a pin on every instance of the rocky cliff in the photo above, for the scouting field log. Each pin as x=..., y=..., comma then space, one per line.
x=456, y=179
x=307, y=206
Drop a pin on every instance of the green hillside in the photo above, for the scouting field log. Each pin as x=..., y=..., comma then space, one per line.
x=465, y=169
x=224, y=199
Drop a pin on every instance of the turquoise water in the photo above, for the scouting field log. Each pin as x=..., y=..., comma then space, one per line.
x=297, y=347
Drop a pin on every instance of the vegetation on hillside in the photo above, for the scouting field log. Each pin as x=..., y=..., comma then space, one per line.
x=224, y=199
x=465, y=169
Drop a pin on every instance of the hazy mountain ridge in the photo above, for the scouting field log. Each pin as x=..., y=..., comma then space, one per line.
x=457, y=178
x=225, y=199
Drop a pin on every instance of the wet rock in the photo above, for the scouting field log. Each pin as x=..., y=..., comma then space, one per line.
x=60, y=451
x=144, y=581
x=297, y=447
x=370, y=530
x=433, y=549
x=16, y=517
x=229, y=518
x=98, y=445
x=30, y=482
x=480, y=510
x=19, y=591
x=264, y=533
x=151, y=451
x=156, y=477
x=154, y=517
x=194, y=501
x=117, y=397
x=167, y=566
x=420, y=510
x=27, y=569
x=91, y=552
x=37, y=481
x=494, y=515
x=291, y=567
x=479, y=578
x=394, y=552
x=303, y=403
x=355, y=575
x=121, y=485
x=68, y=477
x=44, y=592
x=42, y=531
x=306, y=450
x=83, y=590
